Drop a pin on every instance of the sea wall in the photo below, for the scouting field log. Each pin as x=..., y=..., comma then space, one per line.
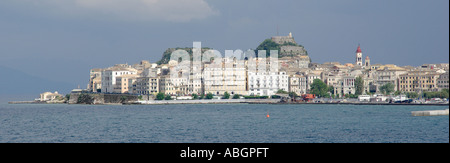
x=100, y=98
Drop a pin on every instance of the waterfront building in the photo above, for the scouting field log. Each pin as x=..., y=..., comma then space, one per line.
x=387, y=74
x=195, y=83
x=267, y=83
x=146, y=85
x=124, y=83
x=95, y=80
x=220, y=78
x=442, y=81
x=49, y=96
x=297, y=84
x=346, y=85
x=419, y=80
x=173, y=85
x=310, y=79
x=109, y=76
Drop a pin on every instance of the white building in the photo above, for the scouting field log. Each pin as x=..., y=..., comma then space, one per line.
x=267, y=83
x=49, y=96
x=109, y=76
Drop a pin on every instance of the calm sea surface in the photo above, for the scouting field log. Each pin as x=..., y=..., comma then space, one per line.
x=234, y=123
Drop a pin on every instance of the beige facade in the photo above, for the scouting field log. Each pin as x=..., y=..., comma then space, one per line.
x=387, y=75
x=219, y=79
x=173, y=86
x=109, y=76
x=95, y=80
x=146, y=85
x=297, y=84
x=124, y=83
x=418, y=80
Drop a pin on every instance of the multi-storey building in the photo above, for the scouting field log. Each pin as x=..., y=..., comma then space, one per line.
x=124, y=83
x=146, y=85
x=346, y=85
x=310, y=79
x=442, y=81
x=109, y=76
x=267, y=83
x=389, y=74
x=418, y=81
x=95, y=80
x=220, y=78
x=173, y=85
x=297, y=84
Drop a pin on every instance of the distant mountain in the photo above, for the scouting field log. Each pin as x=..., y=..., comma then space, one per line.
x=14, y=82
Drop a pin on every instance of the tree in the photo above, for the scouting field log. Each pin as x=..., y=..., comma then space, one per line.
x=268, y=45
x=331, y=89
x=194, y=96
x=292, y=94
x=209, y=96
x=168, y=97
x=226, y=95
x=387, y=88
x=412, y=95
x=359, y=85
x=236, y=96
x=445, y=93
x=160, y=96
x=280, y=91
x=319, y=88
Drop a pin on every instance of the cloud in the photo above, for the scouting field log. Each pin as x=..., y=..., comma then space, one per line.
x=129, y=10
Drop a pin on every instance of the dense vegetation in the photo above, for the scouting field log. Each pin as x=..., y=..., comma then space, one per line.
x=166, y=55
x=387, y=88
x=319, y=88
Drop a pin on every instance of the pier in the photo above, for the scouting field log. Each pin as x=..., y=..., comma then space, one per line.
x=430, y=113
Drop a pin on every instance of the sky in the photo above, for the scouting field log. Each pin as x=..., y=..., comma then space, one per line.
x=61, y=41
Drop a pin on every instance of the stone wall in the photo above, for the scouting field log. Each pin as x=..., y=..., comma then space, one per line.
x=105, y=98
x=292, y=50
x=283, y=39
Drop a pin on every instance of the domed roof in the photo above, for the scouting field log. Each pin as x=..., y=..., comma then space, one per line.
x=359, y=49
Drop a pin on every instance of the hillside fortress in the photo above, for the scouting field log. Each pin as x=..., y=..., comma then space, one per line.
x=284, y=39
x=289, y=48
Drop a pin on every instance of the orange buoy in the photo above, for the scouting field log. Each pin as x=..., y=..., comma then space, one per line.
x=268, y=116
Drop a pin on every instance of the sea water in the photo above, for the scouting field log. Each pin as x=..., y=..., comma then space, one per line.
x=225, y=123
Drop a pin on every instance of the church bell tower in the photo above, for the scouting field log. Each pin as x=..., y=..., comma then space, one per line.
x=359, y=57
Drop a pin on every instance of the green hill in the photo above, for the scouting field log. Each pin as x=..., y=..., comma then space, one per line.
x=166, y=55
